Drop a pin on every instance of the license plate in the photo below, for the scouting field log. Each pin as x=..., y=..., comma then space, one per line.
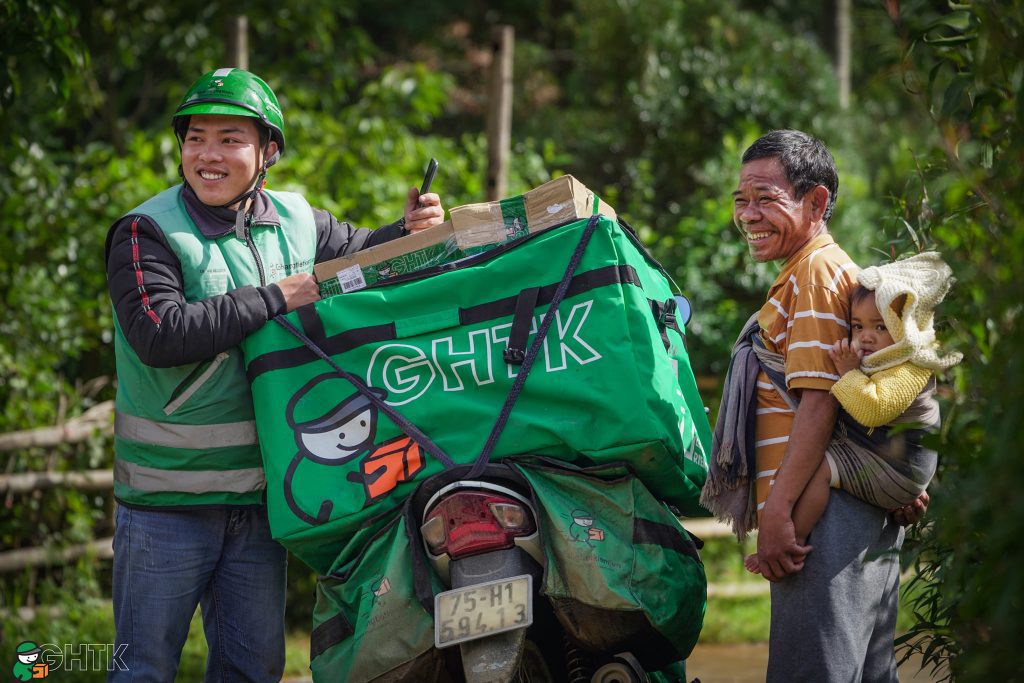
x=482, y=609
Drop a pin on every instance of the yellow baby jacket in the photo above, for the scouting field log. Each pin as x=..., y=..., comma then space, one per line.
x=878, y=399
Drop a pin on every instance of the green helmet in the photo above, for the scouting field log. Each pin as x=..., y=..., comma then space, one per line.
x=234, y=92
x=28, y=648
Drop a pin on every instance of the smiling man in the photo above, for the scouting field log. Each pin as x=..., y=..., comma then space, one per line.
x=833, y=600
x=191, y=273
x=222, y=171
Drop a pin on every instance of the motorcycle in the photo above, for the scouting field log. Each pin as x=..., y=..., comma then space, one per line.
x=482, y=538
x=493, y=571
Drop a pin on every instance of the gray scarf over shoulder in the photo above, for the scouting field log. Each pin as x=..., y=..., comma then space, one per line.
x=729, y=491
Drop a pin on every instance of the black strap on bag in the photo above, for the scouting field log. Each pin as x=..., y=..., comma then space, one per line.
x=328, y=634
x=349, y=339
x=665, y=536
x=531, y=355
x=312, y=325
x=664, y=313
x=421, y=572
x=411, y=430
x=515, y=352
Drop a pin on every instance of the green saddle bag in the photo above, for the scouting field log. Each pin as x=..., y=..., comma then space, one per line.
x=622, y=574
x=368, y=622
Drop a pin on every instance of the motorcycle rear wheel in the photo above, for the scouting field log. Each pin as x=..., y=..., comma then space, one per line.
x=532, y=668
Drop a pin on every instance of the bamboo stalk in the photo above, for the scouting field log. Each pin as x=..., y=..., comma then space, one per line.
x=89, y=480
x=27, y=614
x=706, y=527
x=739, y=590
x=13, y=560
x=237, y=43
x=75, y=430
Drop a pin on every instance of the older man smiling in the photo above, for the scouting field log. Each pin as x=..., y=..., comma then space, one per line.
x=833, y=609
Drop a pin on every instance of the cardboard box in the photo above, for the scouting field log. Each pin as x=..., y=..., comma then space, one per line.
x=473, y=228
x=397, y=257
x=557, y=201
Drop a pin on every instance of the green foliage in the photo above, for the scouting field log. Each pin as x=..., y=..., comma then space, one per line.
x=964, y=64
x=654, y=106
x=52, y=277
x=42, y=55
x=51, y=363
x=737, y=620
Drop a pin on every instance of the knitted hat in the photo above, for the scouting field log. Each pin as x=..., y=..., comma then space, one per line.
x=924, y=279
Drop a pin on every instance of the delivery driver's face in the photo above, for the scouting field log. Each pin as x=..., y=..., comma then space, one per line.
x=221, y=155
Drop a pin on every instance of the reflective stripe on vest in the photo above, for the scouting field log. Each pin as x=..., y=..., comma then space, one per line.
x=151, y=479
x=195, y=437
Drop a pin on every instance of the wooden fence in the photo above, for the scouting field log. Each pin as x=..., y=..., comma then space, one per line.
x=99, y=420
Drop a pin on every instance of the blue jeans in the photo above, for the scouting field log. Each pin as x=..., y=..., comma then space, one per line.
x=168, y=561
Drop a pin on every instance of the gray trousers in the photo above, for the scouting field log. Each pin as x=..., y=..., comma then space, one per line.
x=835, y=621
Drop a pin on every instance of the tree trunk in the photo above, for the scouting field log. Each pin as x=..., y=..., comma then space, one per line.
x=836, y=26
x=237, y=43
x=499, y=112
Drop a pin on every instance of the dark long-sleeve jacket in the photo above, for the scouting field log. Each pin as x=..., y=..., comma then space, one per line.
x=191, y=332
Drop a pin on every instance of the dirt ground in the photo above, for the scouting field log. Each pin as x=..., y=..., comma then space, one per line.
x=747, y=663
x=744, y=663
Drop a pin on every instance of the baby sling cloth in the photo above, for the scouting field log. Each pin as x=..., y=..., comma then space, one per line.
x=885, y=466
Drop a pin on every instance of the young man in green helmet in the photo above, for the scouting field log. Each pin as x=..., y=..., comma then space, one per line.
x=191, y=273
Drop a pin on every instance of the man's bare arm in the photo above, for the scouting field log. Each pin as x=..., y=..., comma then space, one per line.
x=778, y=552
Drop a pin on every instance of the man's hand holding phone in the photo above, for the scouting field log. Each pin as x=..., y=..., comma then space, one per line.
x=422, y=207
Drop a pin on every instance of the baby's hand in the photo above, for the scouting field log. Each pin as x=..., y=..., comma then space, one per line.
x=845, y=356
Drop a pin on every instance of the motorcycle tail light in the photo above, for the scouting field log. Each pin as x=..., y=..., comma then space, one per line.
x=470, y=522
x=433, y=533
x=511, y=516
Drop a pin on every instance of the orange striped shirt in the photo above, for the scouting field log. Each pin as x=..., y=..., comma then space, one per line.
x=806, y=312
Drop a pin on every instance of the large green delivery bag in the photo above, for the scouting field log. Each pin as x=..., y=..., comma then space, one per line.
x=610, y=381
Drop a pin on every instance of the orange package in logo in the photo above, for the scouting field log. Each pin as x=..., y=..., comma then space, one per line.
x=395, y=461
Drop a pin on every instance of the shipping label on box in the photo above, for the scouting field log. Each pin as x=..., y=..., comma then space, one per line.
x=419, y=250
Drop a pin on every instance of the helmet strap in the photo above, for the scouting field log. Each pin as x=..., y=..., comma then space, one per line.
x=245, y=206
x=240, y=222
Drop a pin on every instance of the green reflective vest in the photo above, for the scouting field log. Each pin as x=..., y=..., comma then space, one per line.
x=185, y=435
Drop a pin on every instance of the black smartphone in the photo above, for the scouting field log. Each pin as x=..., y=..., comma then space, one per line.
x=428, y=177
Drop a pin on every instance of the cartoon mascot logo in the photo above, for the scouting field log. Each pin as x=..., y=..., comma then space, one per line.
x=582, y=529
x=339, y=435
x=28, y=666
